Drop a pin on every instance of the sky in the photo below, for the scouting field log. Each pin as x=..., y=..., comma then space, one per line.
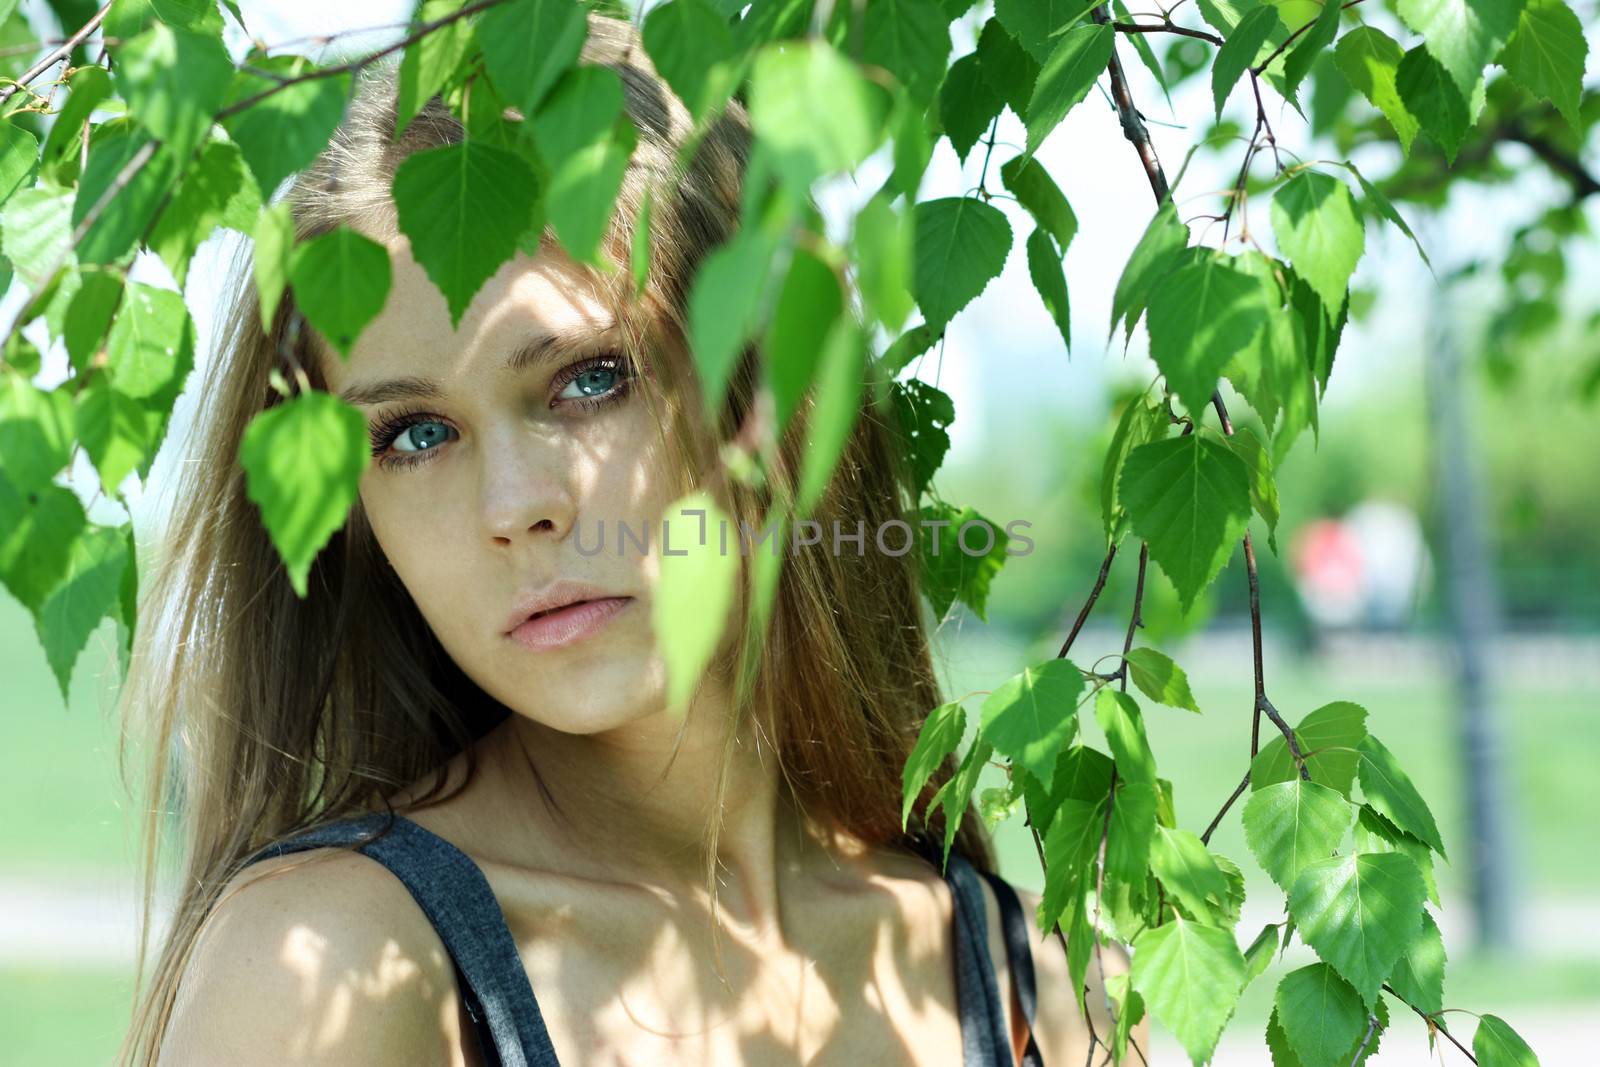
x=1003, y=359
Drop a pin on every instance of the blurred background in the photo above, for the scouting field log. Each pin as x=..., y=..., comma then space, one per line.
x=1438, y=563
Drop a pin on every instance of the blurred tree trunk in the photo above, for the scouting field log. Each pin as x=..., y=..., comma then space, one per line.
x=1472, y=611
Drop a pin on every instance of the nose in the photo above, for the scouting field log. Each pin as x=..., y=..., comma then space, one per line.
x=526, y=492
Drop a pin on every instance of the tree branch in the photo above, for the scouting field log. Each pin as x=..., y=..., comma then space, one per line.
x=1167, y=27
x=356, y=65
x=1088, y=605
x=56, y=55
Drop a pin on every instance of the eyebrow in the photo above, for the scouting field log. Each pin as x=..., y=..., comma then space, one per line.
x=541, y=349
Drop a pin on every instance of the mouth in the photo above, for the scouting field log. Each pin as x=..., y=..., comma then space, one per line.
x=568, y=624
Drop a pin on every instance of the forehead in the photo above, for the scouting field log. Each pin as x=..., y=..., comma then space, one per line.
x=527, y=298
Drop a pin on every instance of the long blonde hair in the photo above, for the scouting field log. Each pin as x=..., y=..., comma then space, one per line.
x=259, y=714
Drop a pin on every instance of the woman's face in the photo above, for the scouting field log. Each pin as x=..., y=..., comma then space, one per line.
x=532, y=439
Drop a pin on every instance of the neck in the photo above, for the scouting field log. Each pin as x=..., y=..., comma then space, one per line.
x=649, y=807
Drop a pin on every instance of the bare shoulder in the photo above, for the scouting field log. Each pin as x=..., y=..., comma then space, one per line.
x=318, y=957
x=1060, y=1029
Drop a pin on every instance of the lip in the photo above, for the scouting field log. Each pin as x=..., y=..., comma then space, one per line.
x=555, y=595
x=568, y=625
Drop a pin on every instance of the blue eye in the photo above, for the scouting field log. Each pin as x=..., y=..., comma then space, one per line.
x=600, y=381
x=423, y=441
x=422, y=433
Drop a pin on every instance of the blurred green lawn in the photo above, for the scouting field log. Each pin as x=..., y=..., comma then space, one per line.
x=65, y=812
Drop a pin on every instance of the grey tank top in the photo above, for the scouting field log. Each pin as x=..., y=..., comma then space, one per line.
x=494, y=986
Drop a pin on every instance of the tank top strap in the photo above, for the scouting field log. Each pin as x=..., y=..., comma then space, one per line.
x=984, y=1038
x=455, y=896
x=1019, y=955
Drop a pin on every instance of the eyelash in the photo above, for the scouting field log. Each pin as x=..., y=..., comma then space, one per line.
x=386, y=430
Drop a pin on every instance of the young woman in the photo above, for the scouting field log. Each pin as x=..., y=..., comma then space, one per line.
x=419, y=828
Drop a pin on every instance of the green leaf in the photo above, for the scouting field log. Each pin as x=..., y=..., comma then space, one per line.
x=1463, y=35
x=1180, y=860
x=37, y=529
x=807, y=141
x=1155, y=254
x=114, y=147
x=19, y=153
x=1239, y=51
x=808, y=305
x=910, y=39
x=1419, y=975
x=961, y=245
x=1070, y=847
x=1044, y=268
x=1141, y=421
x=725, y=306
x=1189, y=498
x=923, y=417
x=1009, y=70
x=274, y=245
x=1119, y=717
x=1374, y=833
x=341, y=282
x=1327, y=738
x=966, y=104
x=583, y=192
x=1318, y=227
x=1160, y=679
x=303, y=461
x=87, y=88
x=956, y=794
x=840, y=382
x=89, y=316
x=1066, y=78
x=119, y=433
x=463, y=206
x=1497, y=1045
x=35, y=431
x=1027, y=180
x=882, y=243
x=1258, y=957
x=174, y=82
x=952, y=572
x=1299, y=60
x=36, y=230
x=151, y=346
x=1031, y=715
x=283, y=132
x=215, y=189
x=1321, y=1015
x=431, y=62
x=1389, y=790
x=1263, y=487
x=1381, y=204
x=1036, y=23
x=1133, y=827
x=1201, y=314
x=1291, y=825
x=529, y=44
x=1546, y=55
x=693, y=605
x=1190, y=977
x=1370, y=61
x=941, y=733
x=86, y=595
x=1442, y=111
x=1359, y=912
x=692, y=48
x=1081, y=773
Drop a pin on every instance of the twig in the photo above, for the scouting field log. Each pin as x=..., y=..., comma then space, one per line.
x=1133, y=127
x=1244, y=783
x=1167, y=27
x=1088, y=605
x=1431, y=1021
x=55, y=55
x=1372, y=1027
x=356, y=65
x=1287, y=41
